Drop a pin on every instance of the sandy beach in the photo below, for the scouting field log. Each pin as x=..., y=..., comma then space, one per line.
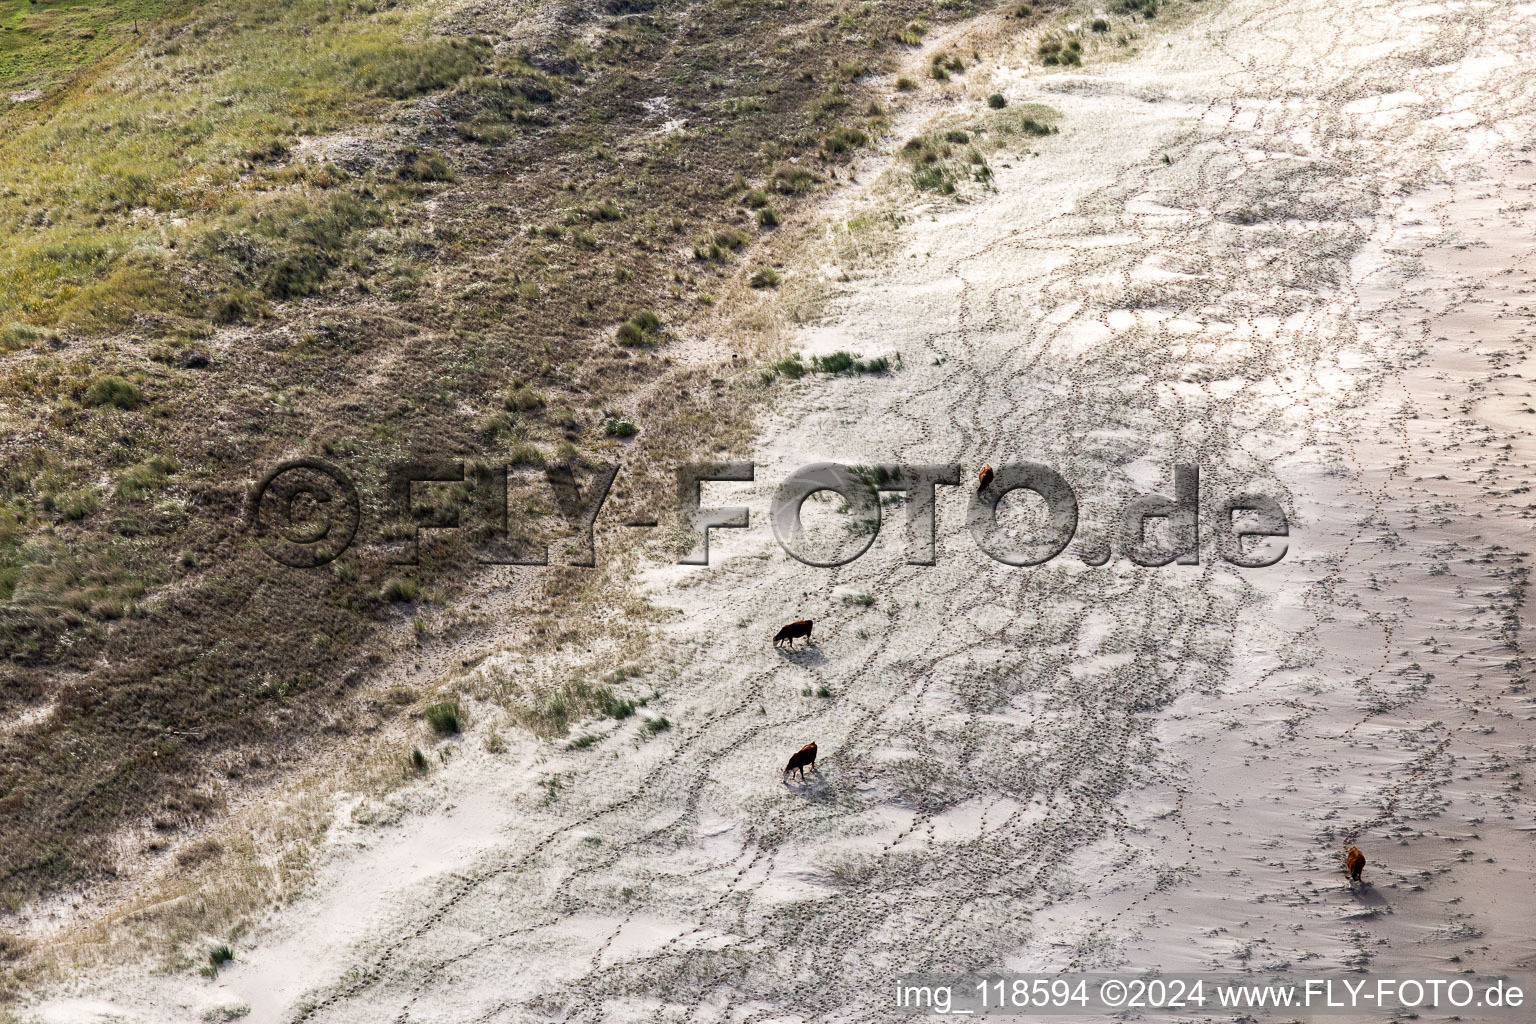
x=1290, y=244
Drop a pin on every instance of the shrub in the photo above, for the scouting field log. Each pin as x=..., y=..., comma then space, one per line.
x=73, y=504
x=789, y=178
x=653, y=726
x=220, y=955
x=312, y=238
x=619, y=426
x=837, y=362
x=19, y=335
x=525, y=454
x=1054, y=51
x=523, y=399
x=1100, y=25
x=137, y=480
x=416, y=762
x=644, y=328
x=911, y=34
x=794, y=366
x=768, y=217
x=417, y=165
x=842, y=140
x=765, y=278
x=444, y=717
x=614, y=706
x=729, y=240
x=400, y=588
x=905, y=84
x=933, y=178
x=943, y=64
x=401, y=70
x=791, y=366
x=235, y=306
x=1032, y=127
x=755, y=199
x=997, y=101
x=113, y=391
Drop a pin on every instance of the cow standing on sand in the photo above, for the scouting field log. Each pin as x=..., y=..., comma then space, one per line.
x=806, y=755
x=1354, y=863
x=790, y=633
x=985, y=477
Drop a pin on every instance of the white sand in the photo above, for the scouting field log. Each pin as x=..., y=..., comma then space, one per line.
x=1326, y=294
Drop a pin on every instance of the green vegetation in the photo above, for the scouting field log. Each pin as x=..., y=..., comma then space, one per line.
x=220, y=955
x=139, y=480
x=940, y=167
x=550, y=711
x=522, y=398
x=400, y=589
x=1054, y=51
x=997, y=101
x=1030, y=120
x=619, y=426
x=943, y=64
x=795, y=366
x=767, y=277
x=42, y=44
x=718, y=247
x=444, y=717
x=843, y=140
x=113, y=391
x=644, y=328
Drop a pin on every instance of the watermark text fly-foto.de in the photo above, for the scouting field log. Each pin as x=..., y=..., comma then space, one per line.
x=306, y=512
x=1198, y=994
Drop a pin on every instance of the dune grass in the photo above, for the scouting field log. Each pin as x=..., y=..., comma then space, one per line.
x=150, y=172
x=217, y=234
x=43, y=43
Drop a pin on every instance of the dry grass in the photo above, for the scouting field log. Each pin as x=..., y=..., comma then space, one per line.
x=227, y=262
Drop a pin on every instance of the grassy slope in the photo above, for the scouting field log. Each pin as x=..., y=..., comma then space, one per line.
x=42, y=43
x=486, y=202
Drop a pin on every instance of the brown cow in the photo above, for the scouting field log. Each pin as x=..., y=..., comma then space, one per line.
x=806, y=755
x=985, y=476
x=792, y=632
x=1354, y=863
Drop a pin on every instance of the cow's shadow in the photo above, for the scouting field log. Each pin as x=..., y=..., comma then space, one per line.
x=815, y=787
x=810, y=655
x=1367, y=894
